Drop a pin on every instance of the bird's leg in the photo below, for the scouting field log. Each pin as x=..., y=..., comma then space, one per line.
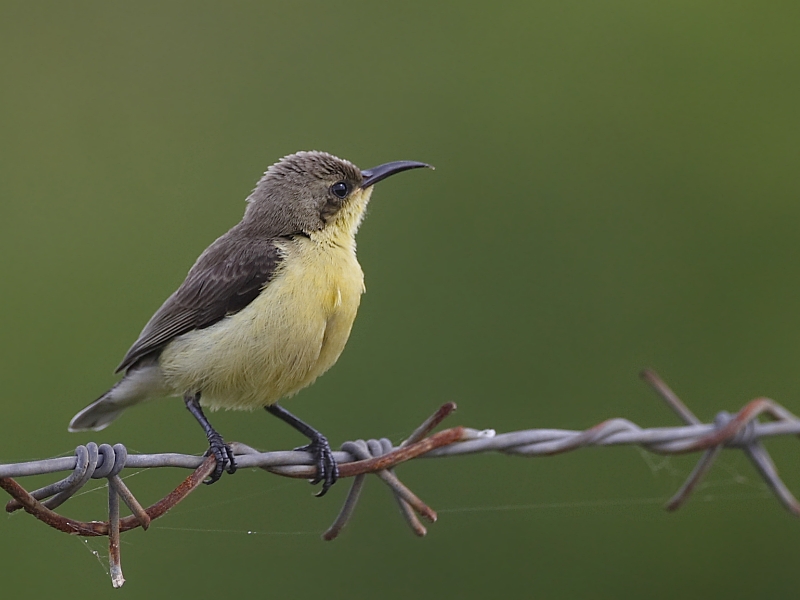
x=217, y=446
x=327, y=470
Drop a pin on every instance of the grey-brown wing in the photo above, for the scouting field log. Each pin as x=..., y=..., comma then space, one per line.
x=227, y=277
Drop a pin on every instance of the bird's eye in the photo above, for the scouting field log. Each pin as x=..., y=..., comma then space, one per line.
x=340, y=189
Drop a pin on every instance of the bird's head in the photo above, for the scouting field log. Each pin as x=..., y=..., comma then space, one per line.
x=310, y=192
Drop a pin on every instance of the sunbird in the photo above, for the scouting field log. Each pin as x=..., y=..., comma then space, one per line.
x=265, y=310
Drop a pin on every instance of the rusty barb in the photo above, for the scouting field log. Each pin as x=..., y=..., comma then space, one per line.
x=357, y=459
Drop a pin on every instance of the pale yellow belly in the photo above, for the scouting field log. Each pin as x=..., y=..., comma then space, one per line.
x=281, y=342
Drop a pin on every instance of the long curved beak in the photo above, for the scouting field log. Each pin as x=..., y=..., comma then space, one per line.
x=381, y=172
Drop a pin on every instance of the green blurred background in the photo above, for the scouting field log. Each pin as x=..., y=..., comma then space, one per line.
x=616, y=188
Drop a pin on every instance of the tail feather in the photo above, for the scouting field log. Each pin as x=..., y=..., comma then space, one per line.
x=137, y=386
x=98, y=415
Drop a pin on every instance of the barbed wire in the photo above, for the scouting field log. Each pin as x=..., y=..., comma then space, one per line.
x=356, y=459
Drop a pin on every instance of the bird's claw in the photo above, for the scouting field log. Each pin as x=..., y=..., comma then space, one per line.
x=327, y=469
x=224, y=455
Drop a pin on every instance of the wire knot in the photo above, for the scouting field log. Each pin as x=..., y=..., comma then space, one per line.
x=744, y=436
x=113, y=460
x=363, y=450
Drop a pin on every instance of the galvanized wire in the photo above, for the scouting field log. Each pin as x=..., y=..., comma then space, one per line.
x=528, y=442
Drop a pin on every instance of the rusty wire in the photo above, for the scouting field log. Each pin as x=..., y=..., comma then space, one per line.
x=743, y=431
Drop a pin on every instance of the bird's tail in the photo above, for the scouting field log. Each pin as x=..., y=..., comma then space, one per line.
x=137, y=386
x=98, y=415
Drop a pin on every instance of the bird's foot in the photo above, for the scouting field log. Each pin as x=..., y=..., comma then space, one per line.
x=224, y=455
x=327, y=469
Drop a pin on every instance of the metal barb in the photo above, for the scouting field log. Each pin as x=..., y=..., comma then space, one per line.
x=114, y=559
x=407, y=501
x=348, y=508
x=670, y=397
x=732, y=431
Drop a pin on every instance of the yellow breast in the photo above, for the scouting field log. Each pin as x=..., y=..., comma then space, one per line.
x=281, y=342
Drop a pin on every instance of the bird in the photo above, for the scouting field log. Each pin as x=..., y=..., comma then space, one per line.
x=265, y=309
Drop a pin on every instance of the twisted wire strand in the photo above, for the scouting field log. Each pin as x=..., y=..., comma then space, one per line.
x=529, y=442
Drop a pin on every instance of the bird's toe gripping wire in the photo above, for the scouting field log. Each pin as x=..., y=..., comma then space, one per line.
x=327, y=469
x=411, y=507
x=217, y=447
x=223, y=453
